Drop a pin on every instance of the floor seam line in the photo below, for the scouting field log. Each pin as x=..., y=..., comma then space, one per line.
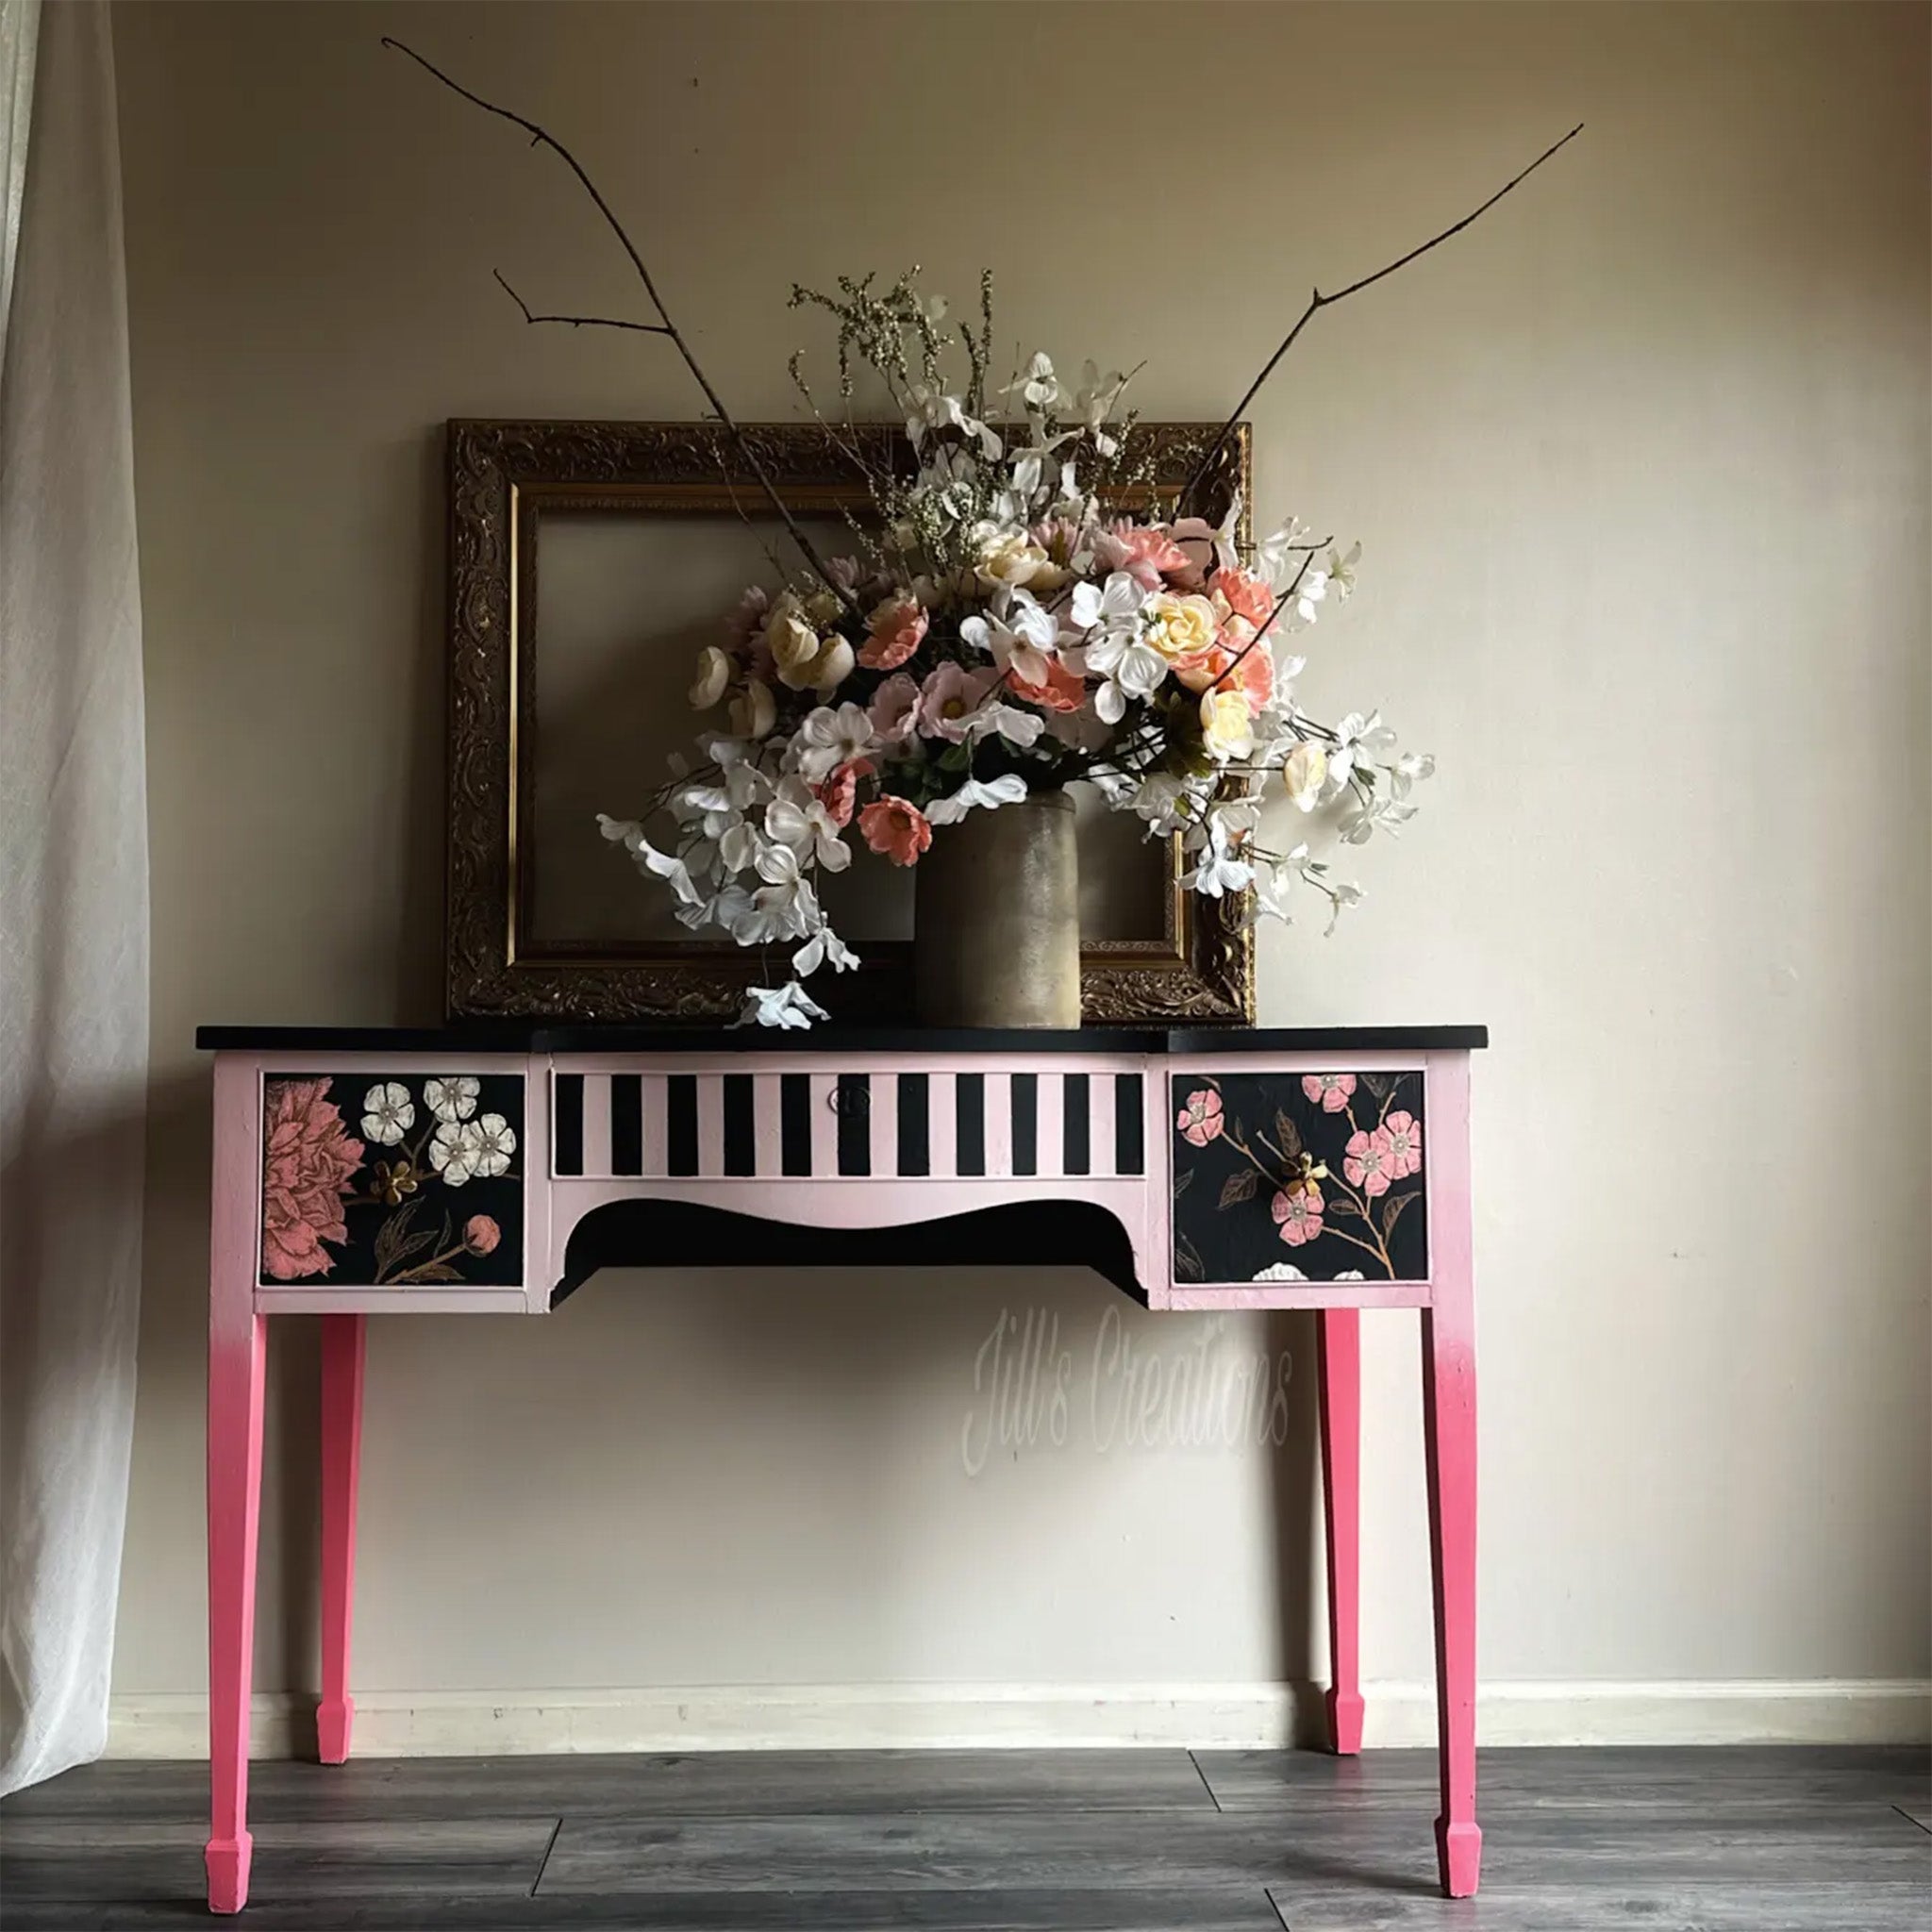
x=1911, y=1820
x=1196, y=1761
x=1274, y=1907
x=543, y=1863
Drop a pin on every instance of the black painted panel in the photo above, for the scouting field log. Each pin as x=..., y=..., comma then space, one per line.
x=626, y=1124
x=681, y=1123
x=1026, y=1123
x=1075, y=1125
x=915, y=1134
x=794, y=1124
x=566, y=1129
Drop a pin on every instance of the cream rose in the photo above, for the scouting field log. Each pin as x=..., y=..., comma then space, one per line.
x=753, y=711
x=714, y=676
x=1008, y=557
x=793, y=642
x=1227, y=729
x=832, y=666
x=1302, y=773
x=1181, y=627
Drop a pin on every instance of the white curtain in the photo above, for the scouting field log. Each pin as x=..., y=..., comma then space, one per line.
x=74, y=926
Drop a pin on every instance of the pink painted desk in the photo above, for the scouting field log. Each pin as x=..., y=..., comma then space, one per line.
x=492, y=1171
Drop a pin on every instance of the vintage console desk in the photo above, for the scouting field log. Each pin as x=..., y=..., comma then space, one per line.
x=481, y=1171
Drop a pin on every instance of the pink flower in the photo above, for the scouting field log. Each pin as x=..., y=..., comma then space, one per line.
x=948, y=697
x=1404, y=1134
x=1064, y=690
x=895, y=707
x=1297, y=1213
x=748, y=616
x=1334, y=1090
x=1231, y=663
x=839, y=793
x=307, y=1162
x=1367, y=1162
x=1200, y=1120
x=896, y=628
x=897, y=829
x=1148, y=556
x=481, y=1235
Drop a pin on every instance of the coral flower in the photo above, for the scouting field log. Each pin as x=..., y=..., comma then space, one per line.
x=1150, y=557
x=481, y=1234
x=896, y=629
x=897, y=829
x=1064, y=690
x=307, y=1162
x=1200, y=1121
x=839, y=793
x=1239, y=593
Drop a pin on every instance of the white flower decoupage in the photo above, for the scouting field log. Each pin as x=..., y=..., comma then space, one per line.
x=454, y=1098
x=472, y=1149
x=387, y=1114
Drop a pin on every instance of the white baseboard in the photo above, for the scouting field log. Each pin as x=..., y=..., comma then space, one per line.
x=1212, y=1716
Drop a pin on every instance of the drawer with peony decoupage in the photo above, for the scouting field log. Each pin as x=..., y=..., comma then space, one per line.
x=1298, y=1177
x=391, y=1178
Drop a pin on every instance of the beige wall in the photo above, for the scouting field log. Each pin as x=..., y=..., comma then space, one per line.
x=1640, y=466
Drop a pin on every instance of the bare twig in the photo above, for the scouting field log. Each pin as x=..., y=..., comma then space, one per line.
x=1318, y=301
x=1280, y=605
x=648, y=329
x=542, y=137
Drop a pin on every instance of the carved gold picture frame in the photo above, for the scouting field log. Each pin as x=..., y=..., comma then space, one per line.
x=502, y=478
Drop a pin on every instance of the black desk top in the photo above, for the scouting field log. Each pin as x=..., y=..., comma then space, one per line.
x=550, y=1035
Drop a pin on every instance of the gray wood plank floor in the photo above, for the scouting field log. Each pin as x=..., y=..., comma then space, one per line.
x=1729, y=1841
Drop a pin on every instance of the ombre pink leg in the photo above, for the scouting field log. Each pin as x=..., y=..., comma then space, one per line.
x=236, y=1355
x=342, y=1339
x=234, y=1496
x=1448, y=1334
x=1338, y=1366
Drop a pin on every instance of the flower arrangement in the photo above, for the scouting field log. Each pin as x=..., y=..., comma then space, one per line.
x=998, y=633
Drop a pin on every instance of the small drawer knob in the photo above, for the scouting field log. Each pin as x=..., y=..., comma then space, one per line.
x=850, y=1103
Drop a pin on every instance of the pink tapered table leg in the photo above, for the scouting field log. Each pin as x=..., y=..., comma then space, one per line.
x=342, y=1338
x=1338, y=1366
x=235, y=1366
x=1448, y=1337
x=237, y=1356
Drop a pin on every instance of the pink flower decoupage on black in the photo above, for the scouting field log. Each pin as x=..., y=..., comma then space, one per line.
x=314, y=1172
x=1338, y=1163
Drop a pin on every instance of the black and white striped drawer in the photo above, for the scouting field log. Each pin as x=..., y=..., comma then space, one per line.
x=942, y=1126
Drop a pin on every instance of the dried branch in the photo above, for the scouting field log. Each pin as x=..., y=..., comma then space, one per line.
x=1318, y=301
x=543, y=137
x=648, y=329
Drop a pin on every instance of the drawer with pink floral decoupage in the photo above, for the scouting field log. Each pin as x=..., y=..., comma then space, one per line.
x=1302, y=1176
x=391, y=1179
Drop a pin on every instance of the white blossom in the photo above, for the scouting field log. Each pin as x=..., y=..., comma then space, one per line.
x=387, y=1114
x=1008, y=789
x=787, y=1006
x=827, y=739
x=453, y=1097
x=824, y=948
x=1036, y=386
